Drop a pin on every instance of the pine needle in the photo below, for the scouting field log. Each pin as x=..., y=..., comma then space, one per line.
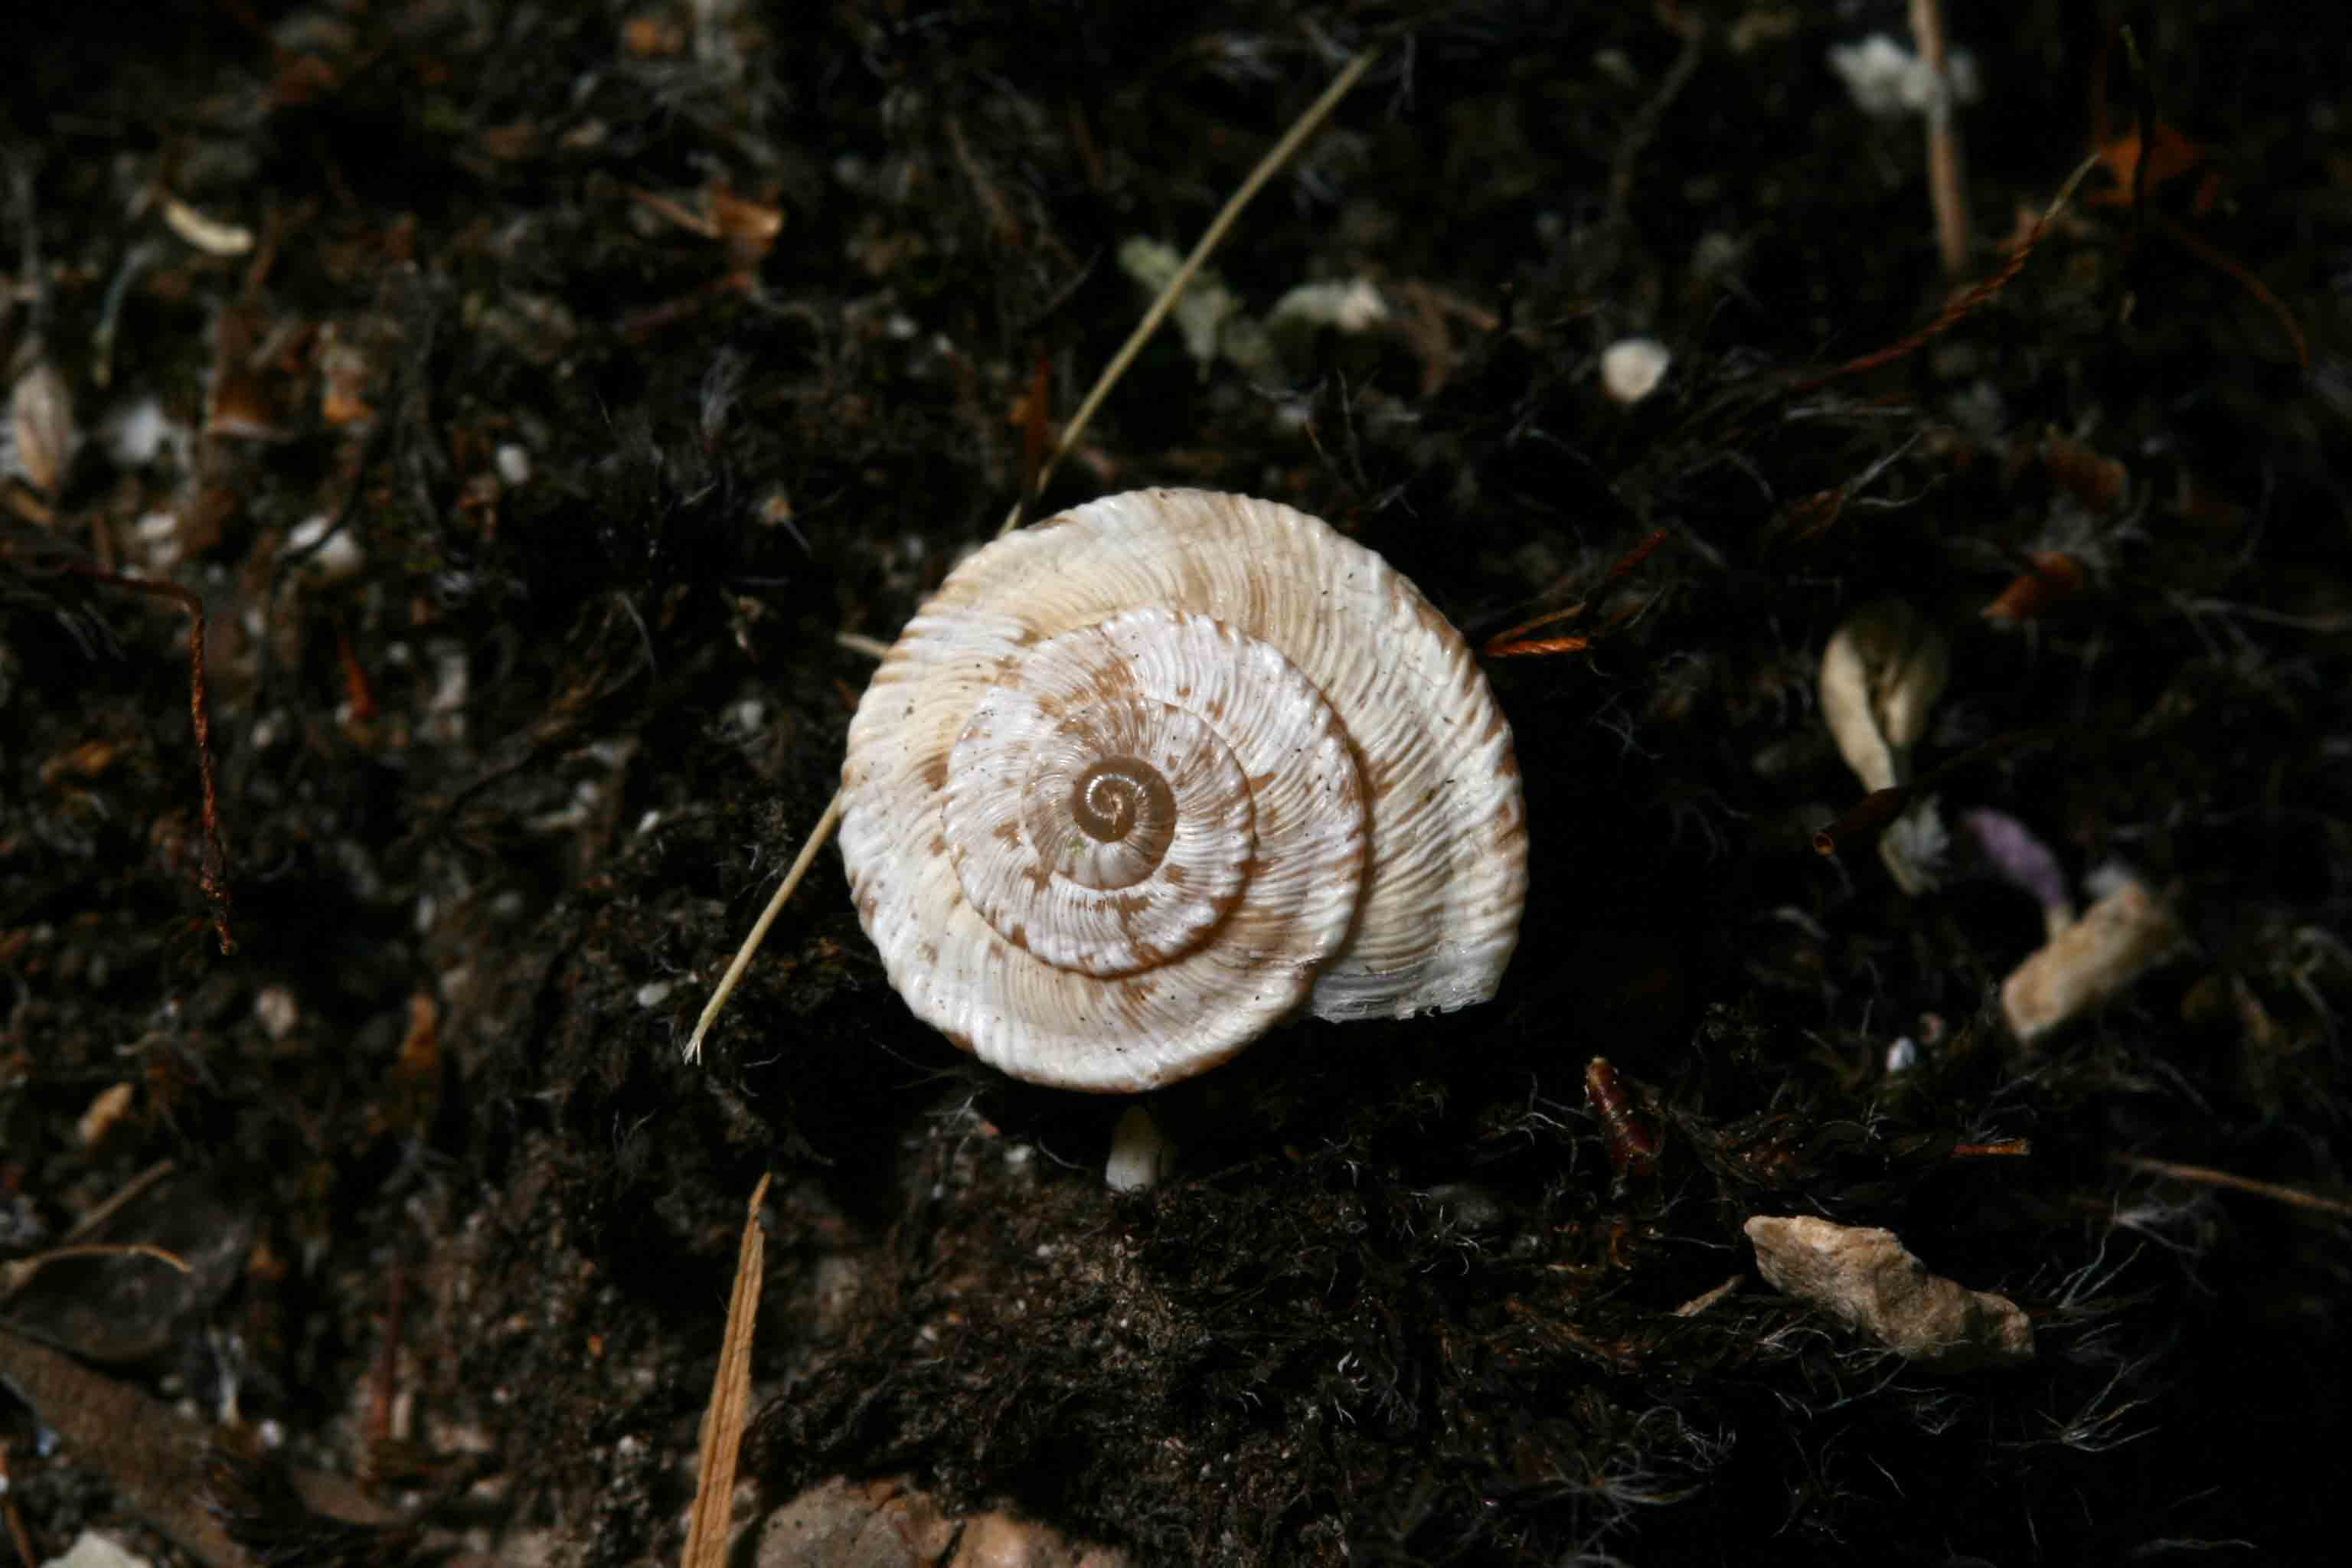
x=731, y=1401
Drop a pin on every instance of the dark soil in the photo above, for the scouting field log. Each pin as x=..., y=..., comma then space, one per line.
x=589, y=371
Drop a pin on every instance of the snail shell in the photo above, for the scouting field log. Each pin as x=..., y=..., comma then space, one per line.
x=1147, y=778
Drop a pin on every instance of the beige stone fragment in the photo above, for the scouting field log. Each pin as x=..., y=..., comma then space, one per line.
x=1867, y=1279
x=1000, y=1539
x=2088, y=963
x=841, y=1523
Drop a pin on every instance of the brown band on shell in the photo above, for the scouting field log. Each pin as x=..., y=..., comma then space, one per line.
x=1120, y=797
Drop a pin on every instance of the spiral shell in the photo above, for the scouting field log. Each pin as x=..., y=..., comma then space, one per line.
x=1145, y=779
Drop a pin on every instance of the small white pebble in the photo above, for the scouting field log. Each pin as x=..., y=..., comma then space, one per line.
x=276, y=1010
x=91, y=1550
x=1141, y=1156
x=1630, y=368
x=452, y=687
x=514, y=463
x=654, y=993
x=452, y=682
x=1351, y=306
x=158, y=534
x=1888, y=79
x=135, y=432
x=339, y=559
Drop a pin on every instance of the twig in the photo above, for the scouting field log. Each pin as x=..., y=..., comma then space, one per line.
x=1945, y=186
x=28, y=240
x=213, y=869
x=2206, y=1175
x=817, y=838
x=1866, y=818
x=2143, y=128
x=1279, y=154
x=730, y=1400
x=2006, y=1149
x=1032, y=434
x=1966, y=303
x=17, y=1273
x=1516, y=643
x=2220, y=262
x=1625, y=160
x=115, y=1202
x=1214, y=235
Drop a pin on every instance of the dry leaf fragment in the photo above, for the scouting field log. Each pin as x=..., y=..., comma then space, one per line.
x=209, y=234
x=239, y=403
x=104, y=1112
x=748, y=227
x=1867, y=1277
x=2089, y=963
x=346, y=375
x=1880, y=677
x=41, y=422
x=2050, y=578
x=649, y=37
x=2090, y=476
x=2012, y=852
x=2170, y=155
x=155, y=1457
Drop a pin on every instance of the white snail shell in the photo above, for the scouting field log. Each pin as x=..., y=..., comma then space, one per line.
x=1147, y=778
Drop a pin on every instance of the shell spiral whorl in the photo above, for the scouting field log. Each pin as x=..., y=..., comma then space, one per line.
x=1145, y=779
